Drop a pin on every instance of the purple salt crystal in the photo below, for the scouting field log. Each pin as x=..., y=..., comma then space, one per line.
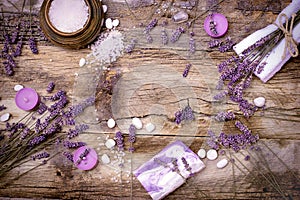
x=153, y=173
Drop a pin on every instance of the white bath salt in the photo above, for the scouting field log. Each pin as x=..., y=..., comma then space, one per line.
x=105, y=159
x=222, y=163
x=4, y=117
x=110, y=143
x=259, y=101
x=18, y=87
x=201, y=153
x=82, y=62
x=68, y=16
x=150, y=127
x=108, y=23
x=115, y=22
x=137, y=123
x=104, y=8
x=108, y=47
x=111, y=123
x=212, y=154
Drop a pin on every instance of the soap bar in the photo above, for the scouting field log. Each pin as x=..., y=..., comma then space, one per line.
x=165, y=172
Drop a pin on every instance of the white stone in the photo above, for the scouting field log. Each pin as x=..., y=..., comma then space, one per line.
x=104, y=7
x=222, y=163
x=108, y=23
x=105, y=159
x=111, y=123
x=82, y=62
x=115, y=22
x=4, y=117
x=51, y=60
x=18, y=87
x=110, y=143
x=259, y=101
x=181, y=16
x=137, y=123
x=150, y=127
x=211, y=154
x=201, y=153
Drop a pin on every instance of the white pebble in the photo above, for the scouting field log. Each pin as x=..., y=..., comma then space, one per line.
x=82, y=62
x=259, y=101
x=111, y=123
x=108, y=23
x=150, y=127
x=105, y=159
x=110, y=143
x=51, y=60
x=202, y=153
x=104, y=7
x=4, y=117
x=115, y=22
x=18, y=87
x=211, y=154
x=137, y=123
x=222, y=163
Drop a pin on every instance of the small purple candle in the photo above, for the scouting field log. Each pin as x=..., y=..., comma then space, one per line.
x=85, y=158
x=219, y=23
x=27, y=99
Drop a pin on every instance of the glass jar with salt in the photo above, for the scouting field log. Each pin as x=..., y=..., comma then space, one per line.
x=71, y=23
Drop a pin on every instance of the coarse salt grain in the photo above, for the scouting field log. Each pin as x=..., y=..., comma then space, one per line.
x=82, y=62
x=137, y=123
x=4, y=117
x=222, y=163
x=259, y=101
x=18, y=87
x=104, y=7
x=68, y=15
x=108, y=23
x=211, y=154
x=115, y=22
x=105, y=159
x=150, y=127
x=111, y=123
x=201, y=153
x=110, y=143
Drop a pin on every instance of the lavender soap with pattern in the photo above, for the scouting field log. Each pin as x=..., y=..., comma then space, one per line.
x=168, y=169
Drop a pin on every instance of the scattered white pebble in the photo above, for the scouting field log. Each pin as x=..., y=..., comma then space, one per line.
x=104, y=7
x=108, y=23
x=211, y=154
x=51, y=60
x=115, y=22
x=4, y=117
x=202, y=153
x=150, y=127
x=82, y=62
x=105, y=159
x=111, y=123
x=137, y=123
x=259, y=101
x=222, y=163
x=110, y=143
x=76, y=74
x=18, y=87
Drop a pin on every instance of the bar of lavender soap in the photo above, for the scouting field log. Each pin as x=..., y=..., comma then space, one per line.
x=160, y=175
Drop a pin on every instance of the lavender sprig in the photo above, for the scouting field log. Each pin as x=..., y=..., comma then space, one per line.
x=120, y=140
x=176, y=34
x=186, y=70
x=40, y=156
x=50, y=87
x=132, y=132
x=32, y=45
x=150, y=26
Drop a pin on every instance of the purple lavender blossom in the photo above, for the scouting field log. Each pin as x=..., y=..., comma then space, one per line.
x=69, y=156
x=69, y=144
x=78, y=129
x=2, y=107
x=247, y=158
x=176, y=34
x=150, y=26
x=164, y=37
x=185, y=114
x=32, y=45
x=57, y=96
x=192, y=45
x=227, y=45
x=25, y=133
x=42, y=108
x=224, y=116
x=149, y=38
x=40, y=155
x=214, y=43
x=50, y=87
x=131, y=46
x=120, y=140
x=18, y=50
x=36, y=140
x=186, y=70
x=132, y=132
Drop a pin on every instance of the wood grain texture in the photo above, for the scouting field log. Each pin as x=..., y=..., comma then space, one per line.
x=152, y=87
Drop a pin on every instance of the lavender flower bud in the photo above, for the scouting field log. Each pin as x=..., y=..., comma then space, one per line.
x=32, y=45
x=50, y=87
x=176, y=34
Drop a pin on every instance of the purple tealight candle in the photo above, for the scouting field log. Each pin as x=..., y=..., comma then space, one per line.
x=27, y=99
x=85, y=158
x=215, y=25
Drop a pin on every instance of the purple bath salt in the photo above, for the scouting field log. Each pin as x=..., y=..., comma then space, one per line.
x=165, y=172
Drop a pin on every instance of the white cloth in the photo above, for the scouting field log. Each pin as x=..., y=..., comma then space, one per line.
x=274, y=60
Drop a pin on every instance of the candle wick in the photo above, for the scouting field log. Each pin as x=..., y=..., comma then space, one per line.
x=26, y=100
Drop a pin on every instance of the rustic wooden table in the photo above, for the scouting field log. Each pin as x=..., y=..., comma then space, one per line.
x=153, y=89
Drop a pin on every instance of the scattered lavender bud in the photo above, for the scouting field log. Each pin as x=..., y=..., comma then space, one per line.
x=164, y=37
x=150, y=26
x=176, y=34
x=69, y=156
x=192, y=45
x=247, y=157
x=69, y=144
x=131, y=46
x=50, y=87
x=214, y=43
x=186, y=70
x=227, y=45
x=120, y=140
x=32, y=45
x=40, y=156
x=149, y=38
x=2, y=107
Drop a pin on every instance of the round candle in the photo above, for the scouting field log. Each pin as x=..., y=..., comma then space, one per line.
x=221, y=25
x=27, y=99
x=85, y=158
x=68, y=16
